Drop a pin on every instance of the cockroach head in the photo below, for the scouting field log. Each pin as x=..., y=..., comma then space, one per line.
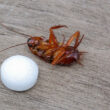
x=33, y=41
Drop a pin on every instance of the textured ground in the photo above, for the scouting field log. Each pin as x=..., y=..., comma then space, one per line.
x=60, y=88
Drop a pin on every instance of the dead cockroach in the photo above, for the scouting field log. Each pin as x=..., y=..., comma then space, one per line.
x=53, y=51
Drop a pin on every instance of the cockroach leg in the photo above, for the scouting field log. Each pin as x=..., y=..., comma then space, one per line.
x=62, y=43
x=52, y=38
x=82, y=52
x=60, y=54
x=63, y=57
x=79, y=42
x=76, y=42
x=78, y=61
x=75, y=35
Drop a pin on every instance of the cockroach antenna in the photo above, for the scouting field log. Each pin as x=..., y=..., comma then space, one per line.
x=11, y=29
x=12, y=46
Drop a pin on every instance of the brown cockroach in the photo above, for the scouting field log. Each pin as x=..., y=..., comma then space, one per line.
x=53, y=51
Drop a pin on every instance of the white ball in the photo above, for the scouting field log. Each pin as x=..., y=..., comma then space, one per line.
x=19, y=73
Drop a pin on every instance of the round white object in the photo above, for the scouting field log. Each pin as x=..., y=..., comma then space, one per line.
x=19, y=73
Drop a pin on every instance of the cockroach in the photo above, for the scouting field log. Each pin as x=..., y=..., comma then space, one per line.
x=52, y=51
